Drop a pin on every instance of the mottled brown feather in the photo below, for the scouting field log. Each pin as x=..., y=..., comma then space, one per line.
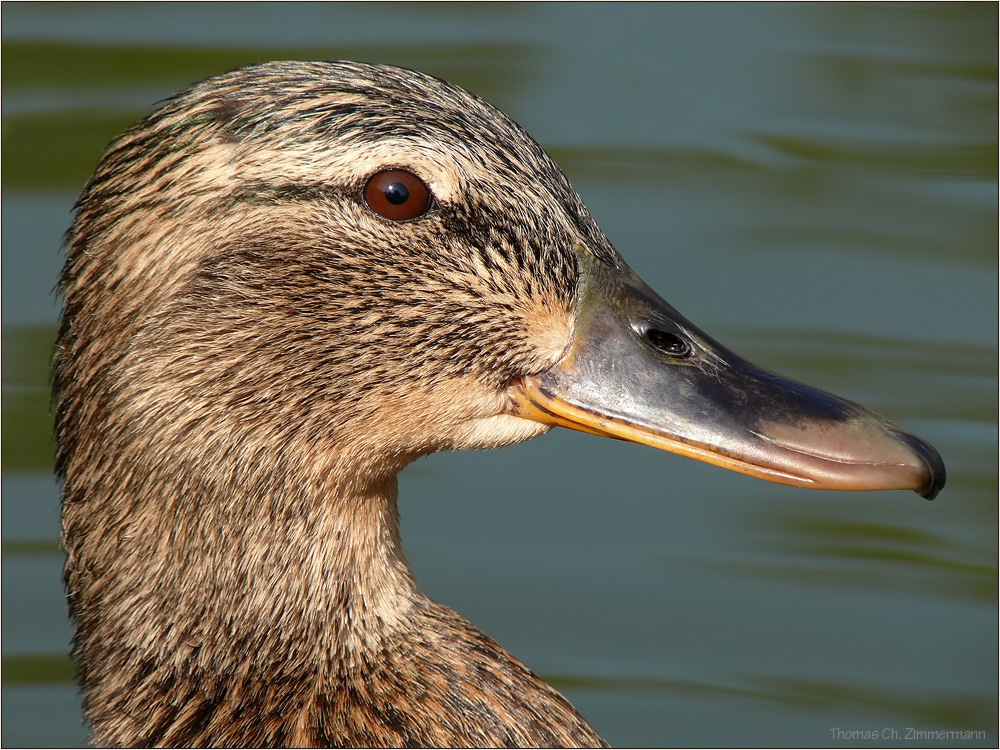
x=247, y=357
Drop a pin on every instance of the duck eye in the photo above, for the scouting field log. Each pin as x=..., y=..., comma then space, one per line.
x=397, y=195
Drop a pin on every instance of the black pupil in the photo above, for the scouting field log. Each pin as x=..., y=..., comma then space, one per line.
x=396, y=193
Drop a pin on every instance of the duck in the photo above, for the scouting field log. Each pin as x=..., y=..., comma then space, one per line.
x=281, y=287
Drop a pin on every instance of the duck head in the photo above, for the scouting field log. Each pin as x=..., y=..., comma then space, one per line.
x=353, y=264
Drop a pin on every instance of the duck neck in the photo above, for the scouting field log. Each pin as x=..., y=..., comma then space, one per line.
x=280, y=615
x=328, y=571
x=308, y=576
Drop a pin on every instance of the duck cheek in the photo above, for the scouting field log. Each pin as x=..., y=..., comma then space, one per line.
x=497, y=431
x=455, y=413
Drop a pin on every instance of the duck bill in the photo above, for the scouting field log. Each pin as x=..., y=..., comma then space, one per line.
x=639, y=371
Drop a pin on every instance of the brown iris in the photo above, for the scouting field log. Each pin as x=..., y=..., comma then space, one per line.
x=397, y=194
